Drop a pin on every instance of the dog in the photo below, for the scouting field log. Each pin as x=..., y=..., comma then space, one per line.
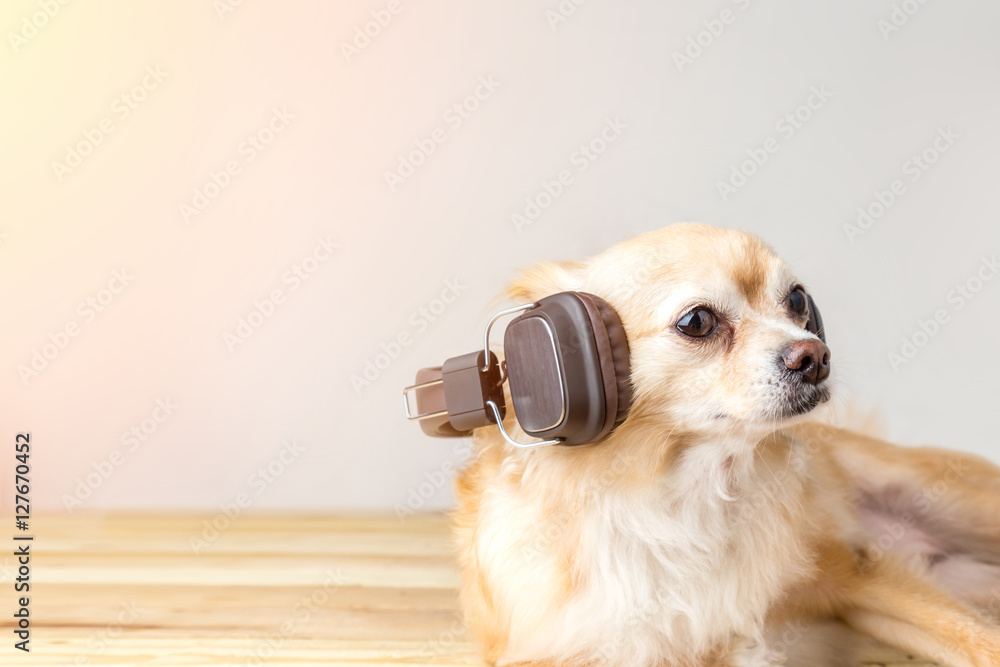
x=722, y=524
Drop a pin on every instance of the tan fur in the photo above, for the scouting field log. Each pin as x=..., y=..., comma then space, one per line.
x=707, y=523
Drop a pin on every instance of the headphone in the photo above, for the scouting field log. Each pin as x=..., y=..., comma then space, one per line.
x=567, y=360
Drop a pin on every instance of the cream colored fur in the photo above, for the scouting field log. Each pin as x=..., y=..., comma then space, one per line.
x=708, y=529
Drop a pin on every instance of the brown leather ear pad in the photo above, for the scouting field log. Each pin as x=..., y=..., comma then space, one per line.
x=612, y=348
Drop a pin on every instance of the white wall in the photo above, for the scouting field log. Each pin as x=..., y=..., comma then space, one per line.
x=162, y=336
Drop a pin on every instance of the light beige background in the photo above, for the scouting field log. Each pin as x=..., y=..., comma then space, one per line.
x=557, y=83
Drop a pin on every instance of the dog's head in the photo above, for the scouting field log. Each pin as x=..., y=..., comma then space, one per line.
x=722, y=335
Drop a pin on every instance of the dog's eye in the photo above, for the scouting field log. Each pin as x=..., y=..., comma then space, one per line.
x=797, y=302
x=698, y=323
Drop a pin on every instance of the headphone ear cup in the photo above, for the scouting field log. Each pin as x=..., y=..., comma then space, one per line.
x=568, y=366
x=815, y=323
x=615, y=359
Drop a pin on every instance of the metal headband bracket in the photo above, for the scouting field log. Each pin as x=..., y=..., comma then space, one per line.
x=489, y=325
x=460, y=395
x=406, y=401
x=512, y=441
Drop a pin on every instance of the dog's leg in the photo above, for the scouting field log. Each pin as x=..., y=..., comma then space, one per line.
x=899, y=607
x=753, y=653
x=936, y=509
x=965, y=486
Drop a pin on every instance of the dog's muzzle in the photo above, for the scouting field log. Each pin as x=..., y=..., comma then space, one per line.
x=806, y=365
x=807, y=360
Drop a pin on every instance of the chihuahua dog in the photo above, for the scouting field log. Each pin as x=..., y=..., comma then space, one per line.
x=719, y=525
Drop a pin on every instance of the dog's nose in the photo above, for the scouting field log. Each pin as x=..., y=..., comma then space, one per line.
x=811, y=358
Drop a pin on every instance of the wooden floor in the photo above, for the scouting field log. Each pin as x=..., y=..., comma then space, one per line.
x=130, y=590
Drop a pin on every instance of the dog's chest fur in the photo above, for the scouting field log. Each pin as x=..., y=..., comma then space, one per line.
x=634, y=577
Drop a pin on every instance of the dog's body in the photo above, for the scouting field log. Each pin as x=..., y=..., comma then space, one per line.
x=717, y=527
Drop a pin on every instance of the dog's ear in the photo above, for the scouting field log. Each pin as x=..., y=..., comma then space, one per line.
x=815, y=323
x=547, y=278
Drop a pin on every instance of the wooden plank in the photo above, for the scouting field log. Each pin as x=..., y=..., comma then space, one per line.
x=274, y=590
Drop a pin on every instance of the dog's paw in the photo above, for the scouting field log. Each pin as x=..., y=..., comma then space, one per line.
x=754, y=653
